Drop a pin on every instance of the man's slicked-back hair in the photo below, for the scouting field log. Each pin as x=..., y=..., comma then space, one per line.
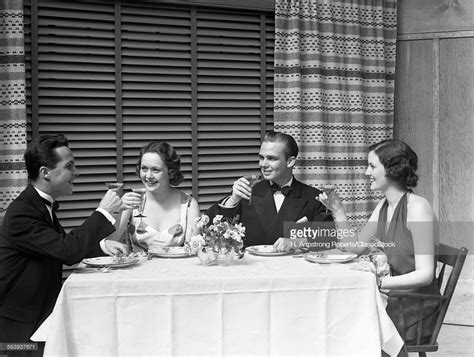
x=291, y=148
x=40, y=152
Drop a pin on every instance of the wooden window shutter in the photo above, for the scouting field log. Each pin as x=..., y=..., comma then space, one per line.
x=113, y=76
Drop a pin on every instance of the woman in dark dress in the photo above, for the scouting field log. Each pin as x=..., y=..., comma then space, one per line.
x=405, y=224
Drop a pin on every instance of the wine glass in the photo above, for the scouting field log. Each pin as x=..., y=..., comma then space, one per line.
x=253, y=180
x=329, y=190
x=114, y=185
x=141, y=226
x=141, y=192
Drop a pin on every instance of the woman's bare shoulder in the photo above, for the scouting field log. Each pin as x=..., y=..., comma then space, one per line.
x=419, y=208
x=184, y=197
x=187, y=198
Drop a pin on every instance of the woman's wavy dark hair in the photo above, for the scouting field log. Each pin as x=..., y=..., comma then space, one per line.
x=399, y=160
x=169, y=156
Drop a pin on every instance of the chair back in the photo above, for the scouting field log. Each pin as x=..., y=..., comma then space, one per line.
x=453, y=257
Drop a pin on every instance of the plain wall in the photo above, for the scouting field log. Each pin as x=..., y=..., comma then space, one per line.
x=434, y=113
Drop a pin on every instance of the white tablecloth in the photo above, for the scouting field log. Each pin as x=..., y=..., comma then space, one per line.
x=257, y=306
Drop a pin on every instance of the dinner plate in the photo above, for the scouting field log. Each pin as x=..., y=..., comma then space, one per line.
x=112, y=262
x=170, y=252
x=327, y=258
x=264, y=250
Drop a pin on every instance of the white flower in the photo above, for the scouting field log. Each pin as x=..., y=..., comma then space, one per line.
x=240, y=229
x=236, y=236
x=217, y=219
x=205, y=219
x=196, y=242
x=198, y=223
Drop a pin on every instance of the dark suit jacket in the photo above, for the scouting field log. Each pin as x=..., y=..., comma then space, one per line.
x=262, y=222
x=32, y=253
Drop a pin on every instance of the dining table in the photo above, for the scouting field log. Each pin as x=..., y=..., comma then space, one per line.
x=258, y=305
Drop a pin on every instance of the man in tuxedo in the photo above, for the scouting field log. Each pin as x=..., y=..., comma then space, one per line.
x=278, y=199
x=34, y=246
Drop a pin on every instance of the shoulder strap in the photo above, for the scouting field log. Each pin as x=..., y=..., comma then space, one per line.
x=187, y=202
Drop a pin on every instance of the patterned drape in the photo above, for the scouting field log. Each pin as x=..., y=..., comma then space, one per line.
x=334, y=89
x=13, y=176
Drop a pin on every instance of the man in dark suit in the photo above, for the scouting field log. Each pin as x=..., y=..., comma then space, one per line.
x=277, y=200
x=34, y=246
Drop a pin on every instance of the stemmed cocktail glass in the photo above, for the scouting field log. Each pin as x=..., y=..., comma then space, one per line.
x=253, y=180
x=141, y=226
x=114, y=185
x=329, y=190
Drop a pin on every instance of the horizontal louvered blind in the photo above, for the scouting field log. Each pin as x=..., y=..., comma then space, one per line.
x=156, y=83
x=113, y=76
x=76, y=94
x=229, y=92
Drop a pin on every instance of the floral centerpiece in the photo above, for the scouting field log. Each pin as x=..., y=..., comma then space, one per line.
x=379, y=258
x=218, y=242
x=375, y=261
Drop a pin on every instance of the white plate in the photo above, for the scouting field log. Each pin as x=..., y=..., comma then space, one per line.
x=110, y=262
x=321, y=257
x=170, y=252
x=264, y=250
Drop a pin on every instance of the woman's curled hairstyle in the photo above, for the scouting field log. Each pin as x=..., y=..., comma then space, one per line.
x=399, y=160
x=169, y=156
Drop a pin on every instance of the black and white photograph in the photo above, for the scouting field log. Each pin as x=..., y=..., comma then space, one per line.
x=236, y=178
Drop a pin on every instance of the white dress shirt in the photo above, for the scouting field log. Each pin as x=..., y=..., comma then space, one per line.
x=280, y=197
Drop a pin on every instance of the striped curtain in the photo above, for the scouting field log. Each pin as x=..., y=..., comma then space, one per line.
x=334, y=90
x=13, y=176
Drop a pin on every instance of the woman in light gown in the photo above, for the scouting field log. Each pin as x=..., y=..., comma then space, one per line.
x=406, y=225
x=168, y=212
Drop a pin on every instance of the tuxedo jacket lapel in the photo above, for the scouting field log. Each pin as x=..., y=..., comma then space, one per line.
x=293, y=203
x=57, y=226
x=264, y=204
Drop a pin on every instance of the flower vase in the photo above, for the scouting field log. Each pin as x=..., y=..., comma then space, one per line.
x=225, y=257
x=207, y=256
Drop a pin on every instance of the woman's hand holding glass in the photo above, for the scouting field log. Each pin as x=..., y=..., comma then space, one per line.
x=131, y=200
x=136, y=200
x=330, y=199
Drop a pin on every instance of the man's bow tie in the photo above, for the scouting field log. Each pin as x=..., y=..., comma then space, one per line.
x=54, y=205
x=285, y=190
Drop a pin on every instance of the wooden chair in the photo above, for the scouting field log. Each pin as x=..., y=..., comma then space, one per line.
x=447, y=256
